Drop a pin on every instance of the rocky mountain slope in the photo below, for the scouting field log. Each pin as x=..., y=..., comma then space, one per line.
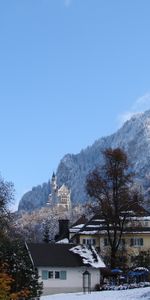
x=35, y=198
x=133, y=137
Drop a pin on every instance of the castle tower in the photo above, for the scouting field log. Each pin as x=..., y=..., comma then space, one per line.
x=53, y=185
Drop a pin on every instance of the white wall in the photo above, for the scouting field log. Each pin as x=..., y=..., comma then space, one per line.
x=73, y=282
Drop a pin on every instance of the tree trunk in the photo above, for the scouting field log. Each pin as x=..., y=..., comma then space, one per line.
x=113, y=259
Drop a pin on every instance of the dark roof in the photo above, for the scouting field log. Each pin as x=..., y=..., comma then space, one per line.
x=54, y=255
x=139, y=210
x=81, y=220
x=96, y=223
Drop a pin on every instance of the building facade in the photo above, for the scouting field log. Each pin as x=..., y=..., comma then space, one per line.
x=134, y=241
x=60, y=197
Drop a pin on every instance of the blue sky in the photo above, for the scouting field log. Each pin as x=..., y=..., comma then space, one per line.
x=71, y=71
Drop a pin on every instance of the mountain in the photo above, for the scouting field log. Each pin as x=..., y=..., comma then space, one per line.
x=133, y=137
x=36, y=198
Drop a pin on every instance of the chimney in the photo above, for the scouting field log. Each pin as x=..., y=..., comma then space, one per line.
x=63, y=229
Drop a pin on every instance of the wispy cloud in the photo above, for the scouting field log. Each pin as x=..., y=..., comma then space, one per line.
x=141, y=104
x=67, y=3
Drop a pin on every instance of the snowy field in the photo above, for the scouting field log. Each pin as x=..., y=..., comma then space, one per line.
x=133, y=294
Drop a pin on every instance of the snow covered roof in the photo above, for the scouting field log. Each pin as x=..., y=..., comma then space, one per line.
x=76, y=228
x=89, y=256
x=89, y=232
x=96, y=225
x=63, y=241
x=63, y=255
x=79, y=224
x=93, y=226
x=145, y=218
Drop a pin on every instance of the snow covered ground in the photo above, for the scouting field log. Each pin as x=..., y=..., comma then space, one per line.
x=133, y=294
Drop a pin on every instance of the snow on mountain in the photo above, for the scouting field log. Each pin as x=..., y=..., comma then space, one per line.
x=133, y=137
x=35, y=198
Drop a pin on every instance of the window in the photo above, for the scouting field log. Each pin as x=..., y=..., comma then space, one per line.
x=44, y=275
x=57, y=274
x=136, y=242
x=146, y=223
x=89, y=241
x=61, y=275
x=50, y=274
x=54, y=275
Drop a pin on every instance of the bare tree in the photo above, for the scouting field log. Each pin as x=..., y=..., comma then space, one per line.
x=110, y=187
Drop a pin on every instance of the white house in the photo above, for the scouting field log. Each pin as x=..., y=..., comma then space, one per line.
x=61, y=266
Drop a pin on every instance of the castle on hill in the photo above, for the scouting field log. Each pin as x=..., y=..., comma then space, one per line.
x=60, y=197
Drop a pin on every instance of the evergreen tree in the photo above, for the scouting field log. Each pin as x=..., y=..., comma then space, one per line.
x=20, y=268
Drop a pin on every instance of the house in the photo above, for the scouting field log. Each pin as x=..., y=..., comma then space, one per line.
x=61, y=266
x=135, y=237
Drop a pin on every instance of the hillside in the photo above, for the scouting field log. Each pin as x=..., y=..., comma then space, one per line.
x=133, y=137
x=35, y=198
